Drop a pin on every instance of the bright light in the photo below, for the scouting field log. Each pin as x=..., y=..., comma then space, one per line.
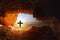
x=27, y=20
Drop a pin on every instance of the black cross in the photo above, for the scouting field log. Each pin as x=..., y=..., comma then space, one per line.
x=20, y=23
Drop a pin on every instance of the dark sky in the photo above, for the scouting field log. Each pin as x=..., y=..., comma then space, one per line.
x=41, y=7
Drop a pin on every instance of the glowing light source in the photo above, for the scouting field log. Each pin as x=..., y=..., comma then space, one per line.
x=27, y=20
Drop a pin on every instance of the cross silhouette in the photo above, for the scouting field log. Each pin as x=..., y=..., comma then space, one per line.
x=20, y=23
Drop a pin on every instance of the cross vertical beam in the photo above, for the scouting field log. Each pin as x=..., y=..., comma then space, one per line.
x=20, y=23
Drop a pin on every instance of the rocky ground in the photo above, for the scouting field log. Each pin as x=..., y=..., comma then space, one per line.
x=34, y=33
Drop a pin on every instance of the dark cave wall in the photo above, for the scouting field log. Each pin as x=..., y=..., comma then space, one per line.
x=41, y=8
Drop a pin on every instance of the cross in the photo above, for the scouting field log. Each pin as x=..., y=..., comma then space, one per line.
x=20, y=23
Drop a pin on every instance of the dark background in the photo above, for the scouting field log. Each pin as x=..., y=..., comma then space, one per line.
x=41, y=7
